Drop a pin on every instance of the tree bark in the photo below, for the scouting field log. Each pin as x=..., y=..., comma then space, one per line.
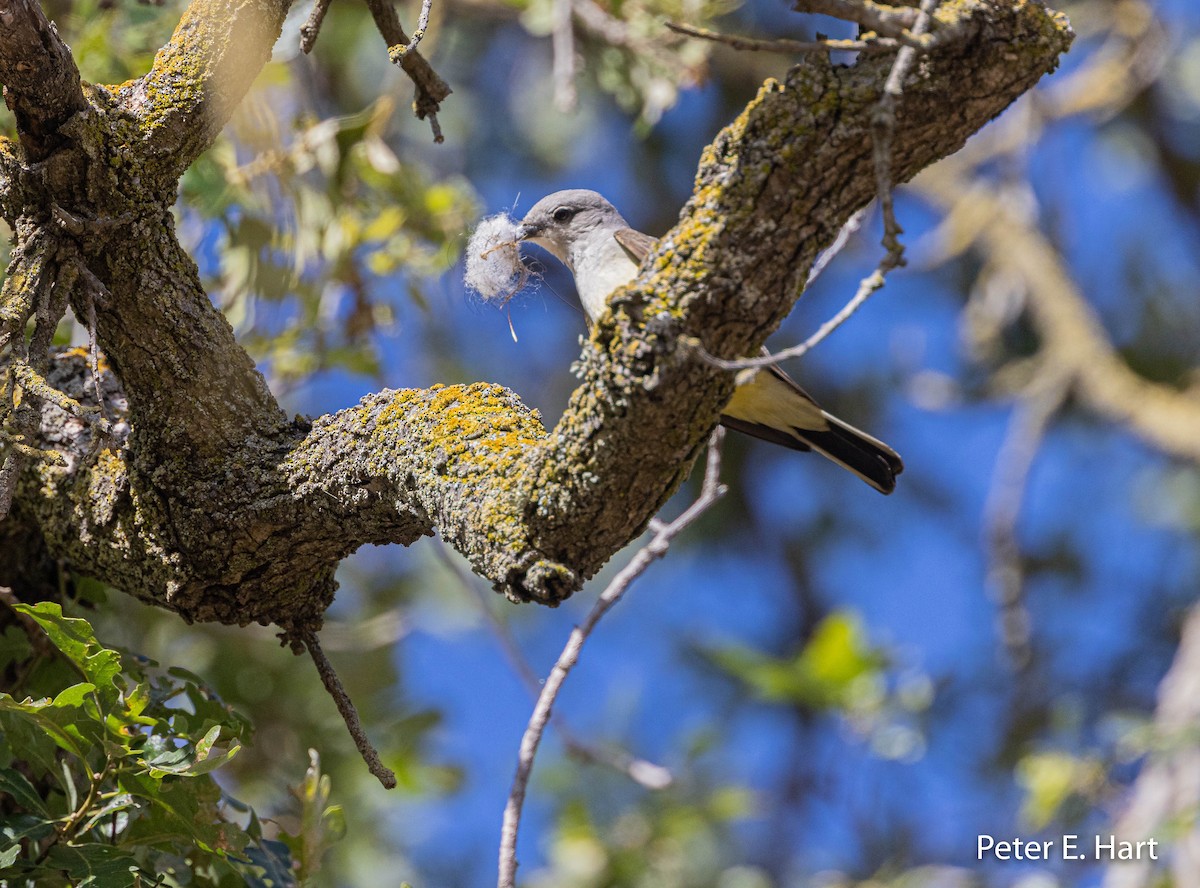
x=211, y=503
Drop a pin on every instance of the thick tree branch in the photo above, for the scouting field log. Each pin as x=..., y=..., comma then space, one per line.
x=199, y=77
x=772, y=190
x=41, y=82
x=216, y=507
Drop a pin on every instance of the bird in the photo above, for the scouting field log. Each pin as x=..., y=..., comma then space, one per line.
x=586, y=233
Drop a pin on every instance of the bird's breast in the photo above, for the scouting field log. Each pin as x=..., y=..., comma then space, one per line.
x=598, y=273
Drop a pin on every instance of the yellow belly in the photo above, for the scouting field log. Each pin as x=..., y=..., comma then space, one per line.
x=761, y=397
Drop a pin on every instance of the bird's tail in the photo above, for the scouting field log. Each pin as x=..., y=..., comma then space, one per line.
x=852, y=449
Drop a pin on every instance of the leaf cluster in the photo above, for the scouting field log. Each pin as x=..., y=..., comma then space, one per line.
x=106, y=772
x=314, y=221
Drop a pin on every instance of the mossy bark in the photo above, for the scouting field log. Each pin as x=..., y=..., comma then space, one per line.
x=208, y=501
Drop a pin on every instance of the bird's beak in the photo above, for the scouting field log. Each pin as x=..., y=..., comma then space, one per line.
x=529, y=231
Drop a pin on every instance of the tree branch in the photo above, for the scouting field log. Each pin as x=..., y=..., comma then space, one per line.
x=218, y=508
x=199, y=77
x=789, y=47
x=1073, y=338
x=1167, y=790
x=710, y=492
x=431, y=89
x=41, y=82
x=889, y=20
x=729, y=272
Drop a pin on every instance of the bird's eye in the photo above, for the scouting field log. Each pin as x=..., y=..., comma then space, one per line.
x=563, y=214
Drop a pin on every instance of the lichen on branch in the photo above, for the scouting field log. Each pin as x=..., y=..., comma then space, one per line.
x=216, y=506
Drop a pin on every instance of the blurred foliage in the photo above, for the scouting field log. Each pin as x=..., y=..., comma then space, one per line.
x=627, y=53
x=837, y=670
x=1055, y=782
x=670, y=839
x=106, y=768
x=314, y=216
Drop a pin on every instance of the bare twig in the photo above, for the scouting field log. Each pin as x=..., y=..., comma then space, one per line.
x=645, y=773
x=345, y=706
x=311, y=28
x=1010, y=479
x=897, y=22
x=883, y=128
x=431, y=89
x=866, y=288
x=710, y=492
x=839, y=243
x=789, y=47
x=417, y=36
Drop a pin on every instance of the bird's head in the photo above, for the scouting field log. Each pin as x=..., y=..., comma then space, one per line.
x=565, y=218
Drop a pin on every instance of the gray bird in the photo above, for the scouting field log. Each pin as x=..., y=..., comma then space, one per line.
x=586, y=233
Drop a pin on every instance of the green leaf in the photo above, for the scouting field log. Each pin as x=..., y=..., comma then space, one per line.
x=1052, y=780
x=9, y=856
x=43, y=714
x=122, y=801
x=212, y=762
x=27, y=741
x=74, y=637
x=94, y=864
x=206, y=742
x=23, y=792
x=14, y=646
x=180, y=810
x=74, y=696
x=21, y=827
x=823, y=675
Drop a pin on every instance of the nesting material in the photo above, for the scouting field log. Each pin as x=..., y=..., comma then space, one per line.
x=494, y=267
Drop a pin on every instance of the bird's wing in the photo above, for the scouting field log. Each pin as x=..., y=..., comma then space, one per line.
x=636, y=244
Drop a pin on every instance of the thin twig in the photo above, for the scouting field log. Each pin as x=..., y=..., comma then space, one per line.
x=710, y=492
x=642, y=772
x=866, y=288
x=839, y=243
x=883, y=127
x=897, y=22
x=311, y=28
x=1010, y=479
x=417, y=36
x=788, y=47
x=431, y=89
x=345, y=706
